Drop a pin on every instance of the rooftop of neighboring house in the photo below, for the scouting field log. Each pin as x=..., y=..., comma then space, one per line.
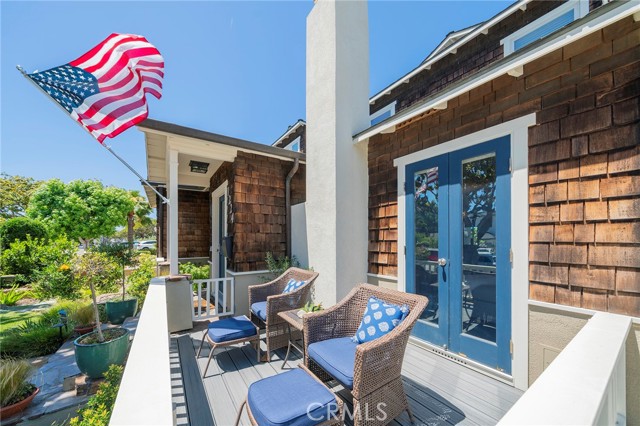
x=294, y=138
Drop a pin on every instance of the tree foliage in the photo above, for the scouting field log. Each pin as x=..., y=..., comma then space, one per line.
x=139, y=215
x=81, y=209
x=18, y=228
x=15, y=192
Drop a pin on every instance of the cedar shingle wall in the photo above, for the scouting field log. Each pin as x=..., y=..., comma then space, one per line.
x=584, y=170
x=194, y=225
x=258, y=217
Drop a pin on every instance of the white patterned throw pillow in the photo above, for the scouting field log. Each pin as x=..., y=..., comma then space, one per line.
x=292, y=285
x=378, y=319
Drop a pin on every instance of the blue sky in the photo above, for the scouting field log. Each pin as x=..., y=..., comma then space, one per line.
x=235, y=68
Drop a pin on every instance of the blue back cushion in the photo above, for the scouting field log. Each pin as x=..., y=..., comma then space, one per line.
x=292, y=285
x=379, y=318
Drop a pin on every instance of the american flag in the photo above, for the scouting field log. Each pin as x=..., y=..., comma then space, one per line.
x=104, y=89
x=431, y=177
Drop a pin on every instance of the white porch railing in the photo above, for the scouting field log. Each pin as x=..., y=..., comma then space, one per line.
x=585, y=384
x=215, y=297
x=145, y=396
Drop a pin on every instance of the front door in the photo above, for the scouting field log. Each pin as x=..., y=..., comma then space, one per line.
x=458, y=250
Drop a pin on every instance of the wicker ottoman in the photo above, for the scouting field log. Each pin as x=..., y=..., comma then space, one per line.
x=227, y=332
x=295, y=397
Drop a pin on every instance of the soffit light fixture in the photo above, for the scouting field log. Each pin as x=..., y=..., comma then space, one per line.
x=198, y=166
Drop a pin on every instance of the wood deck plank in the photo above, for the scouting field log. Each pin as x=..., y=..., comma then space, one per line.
x=440, y=392
x=195, y=396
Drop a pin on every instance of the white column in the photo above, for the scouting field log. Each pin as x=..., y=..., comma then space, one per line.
x=172, y=251
x=337, y=175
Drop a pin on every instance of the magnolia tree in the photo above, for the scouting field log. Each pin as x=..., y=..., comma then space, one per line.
x=82, y=209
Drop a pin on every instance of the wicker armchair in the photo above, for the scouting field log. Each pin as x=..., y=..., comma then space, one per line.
x=277, y=331
x=378, y=363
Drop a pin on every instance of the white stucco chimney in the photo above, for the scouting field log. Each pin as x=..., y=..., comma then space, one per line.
x=337, y=175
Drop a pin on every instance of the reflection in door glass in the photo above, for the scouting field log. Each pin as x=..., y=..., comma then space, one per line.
x=479, y=247
x=426, y=234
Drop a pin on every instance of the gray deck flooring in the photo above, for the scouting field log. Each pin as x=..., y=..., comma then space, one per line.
x=440, y=392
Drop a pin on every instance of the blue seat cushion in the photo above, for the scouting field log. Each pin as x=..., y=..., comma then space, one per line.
x=337, y=357
x=260, y=309
x=231, y=329
x=283, y=400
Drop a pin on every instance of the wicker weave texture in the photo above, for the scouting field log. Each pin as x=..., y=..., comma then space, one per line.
x=378, y=363
x=277, y=332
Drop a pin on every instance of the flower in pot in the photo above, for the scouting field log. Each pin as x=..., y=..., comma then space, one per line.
x=97, y=350
x=16, y=393
x=118, y=311
x=83, y=319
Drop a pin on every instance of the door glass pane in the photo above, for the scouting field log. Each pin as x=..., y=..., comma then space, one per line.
x=479, y=247
x=426, y=239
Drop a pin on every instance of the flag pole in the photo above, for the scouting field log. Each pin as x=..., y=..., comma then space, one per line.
x=108, y=148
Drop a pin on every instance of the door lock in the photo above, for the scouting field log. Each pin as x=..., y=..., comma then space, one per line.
x=442, y=261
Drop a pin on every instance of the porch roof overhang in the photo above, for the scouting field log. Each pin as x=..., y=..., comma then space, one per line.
x=513, y=64
x=197, y=145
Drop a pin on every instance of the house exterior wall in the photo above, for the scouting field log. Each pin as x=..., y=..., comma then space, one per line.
x=584, y=172
x=194, y=225
x=551, y=330
x=257, y=215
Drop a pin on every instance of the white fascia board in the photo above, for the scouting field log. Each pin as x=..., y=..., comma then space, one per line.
x=206, y=148
x=480, y=29
x=289, y=131
x=616, y=11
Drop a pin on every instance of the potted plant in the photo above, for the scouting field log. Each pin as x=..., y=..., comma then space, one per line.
x=97, y=350
x=83, y=319
x=119, y=310
x=309, y=307
x=16, y=393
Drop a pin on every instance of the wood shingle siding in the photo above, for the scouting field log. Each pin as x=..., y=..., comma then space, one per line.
x=256, y=207
x=584, y=167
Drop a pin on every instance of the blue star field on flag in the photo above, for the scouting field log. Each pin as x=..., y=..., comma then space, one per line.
x=67, y=85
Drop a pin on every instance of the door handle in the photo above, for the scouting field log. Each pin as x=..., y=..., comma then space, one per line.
x=442, y=261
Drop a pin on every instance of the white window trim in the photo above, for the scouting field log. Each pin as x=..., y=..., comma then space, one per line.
x=517, y=129
x=580, y=8
x=223, y=189
x=391, y=107
x=293, y=142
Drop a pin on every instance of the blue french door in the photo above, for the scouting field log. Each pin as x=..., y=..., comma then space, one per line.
x=458, y=237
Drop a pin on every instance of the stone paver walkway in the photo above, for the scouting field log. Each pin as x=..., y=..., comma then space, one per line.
x=50, y=379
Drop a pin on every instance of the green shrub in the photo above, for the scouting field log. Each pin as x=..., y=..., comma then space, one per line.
x=56, y=282
x=27, y=258
x=32, y=339
x=98, y=410
x=13, y=381
x=36, y=337
x=83, y=316
x=18, y=228
x=277, y=266
x=201, y=272
x=12, y=296
x=138, y=281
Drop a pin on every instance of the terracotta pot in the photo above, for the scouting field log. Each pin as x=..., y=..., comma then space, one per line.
x=84, y=329
x=10, y=410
